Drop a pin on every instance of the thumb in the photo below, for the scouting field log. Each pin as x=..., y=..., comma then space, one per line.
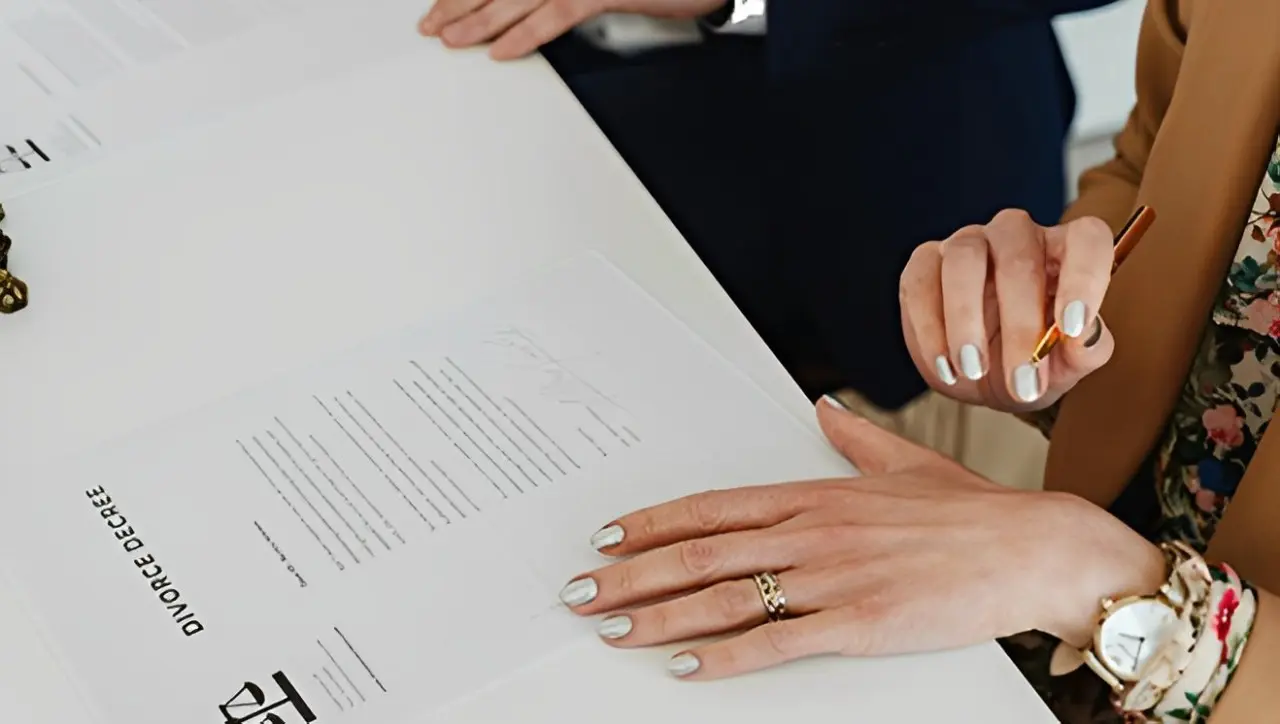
x=1076, y=359
x=872, y=449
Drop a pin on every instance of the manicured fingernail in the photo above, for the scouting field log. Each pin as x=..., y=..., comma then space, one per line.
x=614, y=627
x=835, y=402
x=971, y=362
x=945, y=373
x=683, y=664
x=1073, y=319
x=607, y=537
x=1096, y=334
x=1026, y=383
x=578, y=592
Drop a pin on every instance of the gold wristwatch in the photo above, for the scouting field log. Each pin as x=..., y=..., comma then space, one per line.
x=1142, y=644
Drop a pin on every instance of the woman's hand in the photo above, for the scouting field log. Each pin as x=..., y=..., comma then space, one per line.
x=519, y=27
x=975, y=305
x=918, y=555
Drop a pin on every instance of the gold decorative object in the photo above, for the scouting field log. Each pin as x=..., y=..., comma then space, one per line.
x=13, y=291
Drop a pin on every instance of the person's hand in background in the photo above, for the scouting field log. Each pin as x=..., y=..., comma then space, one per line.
x=519, y=27
x=975, y=305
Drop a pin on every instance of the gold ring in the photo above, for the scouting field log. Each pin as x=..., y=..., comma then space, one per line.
x=771, y=595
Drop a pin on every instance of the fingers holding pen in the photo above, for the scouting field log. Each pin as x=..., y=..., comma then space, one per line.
x=926, y=327
x=1006, y=314
x=965, y=294
x=1084, y=252
x=1021, y=281
x=950, y=317
x=1075, y=359
x=920, y=296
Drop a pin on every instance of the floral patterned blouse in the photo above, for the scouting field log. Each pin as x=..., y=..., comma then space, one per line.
x=1225, y=408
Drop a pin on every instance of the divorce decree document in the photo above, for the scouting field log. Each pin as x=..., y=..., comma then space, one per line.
x=371, y=539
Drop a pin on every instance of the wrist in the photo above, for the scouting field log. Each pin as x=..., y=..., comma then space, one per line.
x=1092, y=556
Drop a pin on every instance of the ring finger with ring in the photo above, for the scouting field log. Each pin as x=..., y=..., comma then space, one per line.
x=721, y=608
x=690, y=565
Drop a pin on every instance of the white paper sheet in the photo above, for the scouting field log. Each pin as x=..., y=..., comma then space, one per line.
x=82, y=77
x=385, y=533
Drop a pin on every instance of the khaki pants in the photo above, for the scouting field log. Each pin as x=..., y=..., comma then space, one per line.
x=994, y=444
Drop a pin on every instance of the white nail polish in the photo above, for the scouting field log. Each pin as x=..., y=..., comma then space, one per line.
x=835, y=402
x=683, y=664
x=614, y=627
x=971, y=362
x=944, y=370
x=1073, y=319
x=1026, y=383
x=607, y=537
x=581, y=591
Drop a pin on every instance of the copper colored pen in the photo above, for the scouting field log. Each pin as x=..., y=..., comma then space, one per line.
x=1125, y=243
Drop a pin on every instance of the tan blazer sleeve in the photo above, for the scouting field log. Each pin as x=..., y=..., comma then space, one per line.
x=1108, y=191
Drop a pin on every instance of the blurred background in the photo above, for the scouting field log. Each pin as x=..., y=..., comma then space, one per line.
x=882, y=125
x=1099, y=46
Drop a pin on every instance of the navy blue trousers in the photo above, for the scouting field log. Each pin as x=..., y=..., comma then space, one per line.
x=804, y=185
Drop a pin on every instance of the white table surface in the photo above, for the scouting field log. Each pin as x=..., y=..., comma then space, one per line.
x=267, y=239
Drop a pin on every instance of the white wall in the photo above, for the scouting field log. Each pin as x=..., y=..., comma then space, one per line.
x=1100, y=46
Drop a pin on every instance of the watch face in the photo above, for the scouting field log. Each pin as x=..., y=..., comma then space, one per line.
x=1132, y=633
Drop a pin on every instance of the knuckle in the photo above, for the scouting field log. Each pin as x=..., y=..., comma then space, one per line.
x=874, y=611
x=624, y=582
x=567, y=12
x=1012, y=217
x=781, y=639
x=970, y=231
x=1022, y=263
x=874, y=606
x=962, y=295
x=706, y=512
x=961, y=315
x=732, y=602
x=1094, y=228
x=728, y=657
x=821, y=501
x=925, y=252
x=657, y=623
x=922, y=259
x=699, y=558
x=647, y=525
x=964, y=248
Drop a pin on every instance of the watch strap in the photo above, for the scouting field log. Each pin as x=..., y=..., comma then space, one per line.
x=1229, y=616
x=1187, y=591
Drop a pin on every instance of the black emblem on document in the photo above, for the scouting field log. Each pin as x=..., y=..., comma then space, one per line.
x=252, y=705
x=21, y=158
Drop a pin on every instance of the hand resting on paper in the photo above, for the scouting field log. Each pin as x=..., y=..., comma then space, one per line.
x=974, y=307
x=919, y=554
x=519, y=27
